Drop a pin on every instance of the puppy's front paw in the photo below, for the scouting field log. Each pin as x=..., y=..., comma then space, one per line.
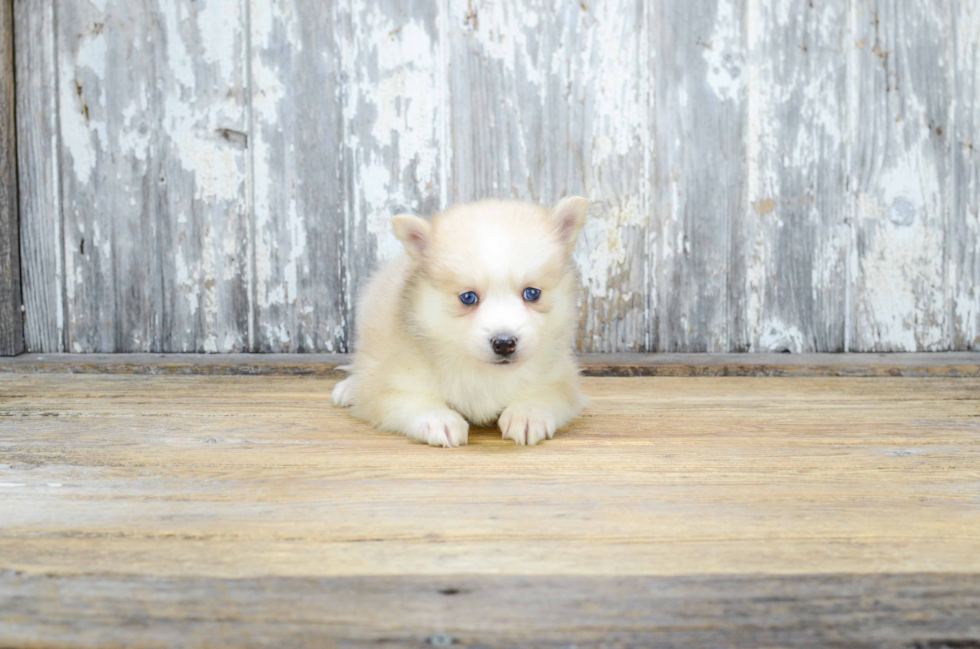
x=343, y=393
x=526, y=425
x=440, y=428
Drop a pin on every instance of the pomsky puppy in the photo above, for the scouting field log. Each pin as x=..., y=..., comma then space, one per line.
x=474, y=324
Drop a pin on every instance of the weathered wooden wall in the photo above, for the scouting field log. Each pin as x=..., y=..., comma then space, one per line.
x=765, y=175
x=11, y=317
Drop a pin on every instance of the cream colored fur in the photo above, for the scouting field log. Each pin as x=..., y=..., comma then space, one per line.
x=424, y=365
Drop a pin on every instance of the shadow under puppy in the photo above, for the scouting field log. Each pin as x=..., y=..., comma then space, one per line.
x=474, y=324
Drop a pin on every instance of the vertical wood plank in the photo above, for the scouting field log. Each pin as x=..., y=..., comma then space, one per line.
x=699, y=175
x=11, y=318
x=790, y=236
x=395, y=116
x=38, y=151
x=154, y=136
x=500, y=136
x=963, y=237
x=299, y=234
x=548, y=101
x=899, y=102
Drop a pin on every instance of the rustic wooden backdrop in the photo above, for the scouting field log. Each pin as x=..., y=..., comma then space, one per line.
x=766, y=175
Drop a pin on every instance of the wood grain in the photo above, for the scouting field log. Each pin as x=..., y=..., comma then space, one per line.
x=11, y=317
x=699, y=177
x=763, y=177
x=790, y=237
x=152, y=101
x=963, y=243
x=300, y=301
x=900, y=100
x=247, y=510
x=248, y=476
x=38, y=147
x=920, y=364
x=394, y=58
x=918, y=610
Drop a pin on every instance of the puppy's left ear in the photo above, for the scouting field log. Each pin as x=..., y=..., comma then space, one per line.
x=569, y=216
x=413, y=232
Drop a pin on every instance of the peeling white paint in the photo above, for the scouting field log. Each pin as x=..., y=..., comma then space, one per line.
x=218, y=170
x=296, y=227
x=794, y=151
x=503, y=32
x=618, y=110
x=268, y=93
x=899, y=293
x=375, y=190
x=723, y=54
x=82, y=132
x=218, y=47
x=901, y=272
x=601, y=254
x=778, y=336
x=188, y=284
x=400, y=106
x=180, y=62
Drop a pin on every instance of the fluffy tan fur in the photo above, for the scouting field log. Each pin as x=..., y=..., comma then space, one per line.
x=425, y=365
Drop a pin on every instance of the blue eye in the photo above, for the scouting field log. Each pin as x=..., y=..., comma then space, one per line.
x=532, y=294
x=469, y=298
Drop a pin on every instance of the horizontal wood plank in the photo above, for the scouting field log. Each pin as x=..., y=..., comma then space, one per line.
x=245, y=476
x=917, y=610
x=949, y=364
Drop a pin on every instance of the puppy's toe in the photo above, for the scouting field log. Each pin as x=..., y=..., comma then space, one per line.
x=526, y=425
x=441, y=428
x=343, y=393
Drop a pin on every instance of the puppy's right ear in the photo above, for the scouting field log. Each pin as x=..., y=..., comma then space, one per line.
x=569, y=216
x=414, y=233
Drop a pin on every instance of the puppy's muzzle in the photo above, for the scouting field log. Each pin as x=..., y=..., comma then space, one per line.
x=504, y=346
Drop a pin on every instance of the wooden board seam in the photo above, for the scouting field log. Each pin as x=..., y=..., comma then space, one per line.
x=950, y=364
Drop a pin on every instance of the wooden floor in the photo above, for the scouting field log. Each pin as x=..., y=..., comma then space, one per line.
x=211, y=510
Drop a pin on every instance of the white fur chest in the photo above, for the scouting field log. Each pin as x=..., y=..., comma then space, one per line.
x=480, y=394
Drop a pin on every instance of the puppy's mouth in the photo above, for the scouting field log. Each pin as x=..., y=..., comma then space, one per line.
x=504, y=361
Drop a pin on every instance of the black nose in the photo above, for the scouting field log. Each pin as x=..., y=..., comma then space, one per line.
x=504, y=345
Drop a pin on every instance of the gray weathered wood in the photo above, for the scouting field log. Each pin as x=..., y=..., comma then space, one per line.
x=153, y=122
x=900, y=97
x=764, y=176
x=300, y=300
x=396, y=140
x=906, y=610
x=42, y=259
x=789, y=239
x=11, y=318
x=699, y=176
x=922, y=364
x=545, y=106
x=963, y=237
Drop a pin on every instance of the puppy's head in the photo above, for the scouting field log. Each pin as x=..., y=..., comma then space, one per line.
x=492, y=282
